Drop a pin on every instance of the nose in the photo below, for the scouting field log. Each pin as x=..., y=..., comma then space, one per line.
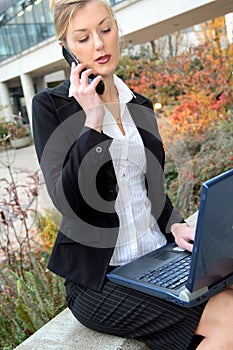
x=98, y=42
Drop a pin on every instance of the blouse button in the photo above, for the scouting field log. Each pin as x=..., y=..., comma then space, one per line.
x=98, y=149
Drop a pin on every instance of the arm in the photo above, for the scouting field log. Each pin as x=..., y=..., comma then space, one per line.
x=67, y=154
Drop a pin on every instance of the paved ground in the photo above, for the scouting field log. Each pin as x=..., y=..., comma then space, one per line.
x=23, y=162
x=23, y=159
x=20, y=158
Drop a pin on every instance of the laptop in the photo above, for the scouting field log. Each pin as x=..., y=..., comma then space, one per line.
x=178, y=276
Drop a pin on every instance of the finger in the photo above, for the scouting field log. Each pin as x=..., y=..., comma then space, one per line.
x=192, y=234
x=96, y=80
x=74, y=76
x=84, y=74
x=187, y=245
x=77, y=69
x=73, y=66
x=92, y=82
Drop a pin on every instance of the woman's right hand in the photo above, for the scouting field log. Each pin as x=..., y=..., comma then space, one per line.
x=86, y=95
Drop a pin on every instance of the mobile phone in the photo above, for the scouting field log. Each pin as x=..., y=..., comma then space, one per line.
x=71, y=58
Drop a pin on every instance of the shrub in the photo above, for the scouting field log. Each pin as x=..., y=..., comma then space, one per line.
x=48, y=225
x=30, y=295
x=195, y=90
x=28, y=302
x=213, y=156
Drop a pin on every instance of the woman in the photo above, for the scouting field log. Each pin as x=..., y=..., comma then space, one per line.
x=102, y=159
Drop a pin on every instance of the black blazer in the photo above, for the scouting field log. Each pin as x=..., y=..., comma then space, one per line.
x=80, y=179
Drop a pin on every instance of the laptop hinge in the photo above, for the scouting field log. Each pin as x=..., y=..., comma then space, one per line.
x=186, y=295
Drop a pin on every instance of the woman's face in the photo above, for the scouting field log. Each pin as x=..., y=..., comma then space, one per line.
x=92, y=36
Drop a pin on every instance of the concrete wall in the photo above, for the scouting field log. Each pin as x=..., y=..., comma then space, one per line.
x=64, y=332
x=144, y=20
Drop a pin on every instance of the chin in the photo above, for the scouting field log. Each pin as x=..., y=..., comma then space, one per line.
x=106, y=71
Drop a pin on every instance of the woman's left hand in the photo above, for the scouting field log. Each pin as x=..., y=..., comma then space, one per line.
x=184, y=235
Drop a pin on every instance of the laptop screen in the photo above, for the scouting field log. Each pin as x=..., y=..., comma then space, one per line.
x=213, y=246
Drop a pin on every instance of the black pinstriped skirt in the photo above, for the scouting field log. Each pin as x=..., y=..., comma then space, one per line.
x=120, y=311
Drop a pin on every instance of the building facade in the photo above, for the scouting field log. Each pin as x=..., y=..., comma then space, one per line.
x=31, y=59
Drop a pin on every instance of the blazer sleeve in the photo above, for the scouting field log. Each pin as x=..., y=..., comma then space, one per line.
x=70, y=156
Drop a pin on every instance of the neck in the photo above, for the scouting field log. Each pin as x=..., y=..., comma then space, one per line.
x=110, y=93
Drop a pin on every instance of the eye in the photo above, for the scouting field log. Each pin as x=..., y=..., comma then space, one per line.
x=83, y=40
x=106, y=30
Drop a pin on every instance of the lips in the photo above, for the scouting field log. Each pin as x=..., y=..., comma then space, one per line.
x=103, y=59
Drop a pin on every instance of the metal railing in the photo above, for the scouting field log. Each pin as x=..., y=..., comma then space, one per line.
x=115, y=2
x=24, y=24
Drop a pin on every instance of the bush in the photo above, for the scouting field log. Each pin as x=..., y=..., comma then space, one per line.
x=48, y=225
x=28, y=302
x=195, y=90
x=210, y=157
x=30, y=295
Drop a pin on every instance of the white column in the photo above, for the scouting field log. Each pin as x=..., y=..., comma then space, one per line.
x=5, y=101
x=40, y=83
x=29, y=92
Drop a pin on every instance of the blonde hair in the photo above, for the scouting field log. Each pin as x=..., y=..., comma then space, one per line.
x=63, y=11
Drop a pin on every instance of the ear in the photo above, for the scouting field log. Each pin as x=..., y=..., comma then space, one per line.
x=60, y=42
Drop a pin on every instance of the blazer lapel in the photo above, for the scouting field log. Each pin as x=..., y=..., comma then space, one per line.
x=73, y=117
x=144, y=119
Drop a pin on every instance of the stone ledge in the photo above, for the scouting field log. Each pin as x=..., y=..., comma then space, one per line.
x=64, y=332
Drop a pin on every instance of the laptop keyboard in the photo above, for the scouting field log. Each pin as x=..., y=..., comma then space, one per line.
x=171, y=275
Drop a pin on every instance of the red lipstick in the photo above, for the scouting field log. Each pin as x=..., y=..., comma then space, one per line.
x=103, y=59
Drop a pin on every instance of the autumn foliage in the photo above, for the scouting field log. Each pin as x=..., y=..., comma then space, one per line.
x=196, y=93
x=194, y=88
